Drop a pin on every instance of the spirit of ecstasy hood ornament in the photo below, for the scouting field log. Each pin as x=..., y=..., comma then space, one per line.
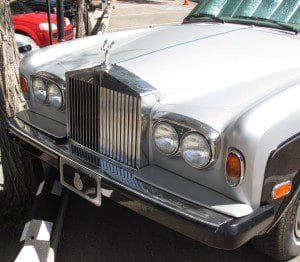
x=106, y=48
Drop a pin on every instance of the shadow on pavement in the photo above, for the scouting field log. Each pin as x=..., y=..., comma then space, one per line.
x=114, y=233
x=9, y=241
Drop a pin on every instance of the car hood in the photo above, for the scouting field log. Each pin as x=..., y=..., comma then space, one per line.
x=203, y=62
x=34, y=18
x=197, y=65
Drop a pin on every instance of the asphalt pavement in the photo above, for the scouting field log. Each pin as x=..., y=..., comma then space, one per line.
x=114, y=233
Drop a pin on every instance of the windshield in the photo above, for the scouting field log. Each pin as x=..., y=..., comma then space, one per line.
x=17, y=8
x=284, y=14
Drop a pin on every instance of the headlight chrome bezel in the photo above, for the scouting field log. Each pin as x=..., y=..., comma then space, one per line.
x=49, y=79
x=185, y=125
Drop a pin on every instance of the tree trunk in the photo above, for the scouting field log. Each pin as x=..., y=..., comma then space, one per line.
x=83, y=22
x=17, y=166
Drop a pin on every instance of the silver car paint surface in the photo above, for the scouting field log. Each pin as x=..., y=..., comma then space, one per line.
x=240, y=80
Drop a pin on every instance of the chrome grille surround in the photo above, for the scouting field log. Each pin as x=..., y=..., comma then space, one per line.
x=108, y=113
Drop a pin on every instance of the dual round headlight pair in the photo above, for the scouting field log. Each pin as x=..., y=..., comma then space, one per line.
x=49, y=92
x=194, y=147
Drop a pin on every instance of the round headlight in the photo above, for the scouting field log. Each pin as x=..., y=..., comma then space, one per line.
x=166, y=138
x=39, y=89
x=196, y=150
x=54, y=97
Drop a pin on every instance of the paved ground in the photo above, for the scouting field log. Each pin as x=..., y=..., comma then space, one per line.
x=9, y=242
x=9, y=234
x=130, y=14
x=114, y=233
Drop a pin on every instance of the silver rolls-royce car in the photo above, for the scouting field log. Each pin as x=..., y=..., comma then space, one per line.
x=196, y=126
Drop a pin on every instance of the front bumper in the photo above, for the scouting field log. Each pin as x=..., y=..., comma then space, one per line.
x=121, y=185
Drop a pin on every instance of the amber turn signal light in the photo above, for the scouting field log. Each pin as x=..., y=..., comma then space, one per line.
x=234, y=168
x=23, y=84
x=281, y=190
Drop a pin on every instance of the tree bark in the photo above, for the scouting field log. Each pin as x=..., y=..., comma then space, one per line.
x=83, y=22
x=19, y=182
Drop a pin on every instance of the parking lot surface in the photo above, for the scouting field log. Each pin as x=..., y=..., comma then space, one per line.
x=114, y=233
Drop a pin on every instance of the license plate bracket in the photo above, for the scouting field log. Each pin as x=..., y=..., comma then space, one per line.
x=81, y=181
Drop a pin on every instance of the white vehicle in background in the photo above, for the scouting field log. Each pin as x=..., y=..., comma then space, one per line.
x=25, y=44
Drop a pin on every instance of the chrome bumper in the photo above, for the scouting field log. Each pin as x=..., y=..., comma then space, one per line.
x=194, y=220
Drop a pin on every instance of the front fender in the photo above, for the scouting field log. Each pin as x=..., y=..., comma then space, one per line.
x=260, y=131
x=283, y=165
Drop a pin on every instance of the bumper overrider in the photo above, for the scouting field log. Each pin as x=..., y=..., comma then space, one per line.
x=122, y=185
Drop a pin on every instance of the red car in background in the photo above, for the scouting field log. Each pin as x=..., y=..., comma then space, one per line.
x=35, y=24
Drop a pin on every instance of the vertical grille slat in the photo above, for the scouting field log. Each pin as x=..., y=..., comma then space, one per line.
x=100, y=119
x=134, y=117
x=129, y=149
x=115, y=112
x=104, y=120
x=126, y=129
x=119, y=127
x=111, y=122
x=122, y=131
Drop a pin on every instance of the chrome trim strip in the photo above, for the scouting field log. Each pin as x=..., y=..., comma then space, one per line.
x=104, y=102
x=122, y=127
x=110, y=107
x=134, y=133
x=139, y=134
x=126, y=129
x=115, y=128
x=129, y=142
x=118, y=133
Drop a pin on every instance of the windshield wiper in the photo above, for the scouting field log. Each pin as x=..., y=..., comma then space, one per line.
x=276, y=24
x=204, y=18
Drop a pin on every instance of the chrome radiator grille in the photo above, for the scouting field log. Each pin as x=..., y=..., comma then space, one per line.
x=104, y=120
